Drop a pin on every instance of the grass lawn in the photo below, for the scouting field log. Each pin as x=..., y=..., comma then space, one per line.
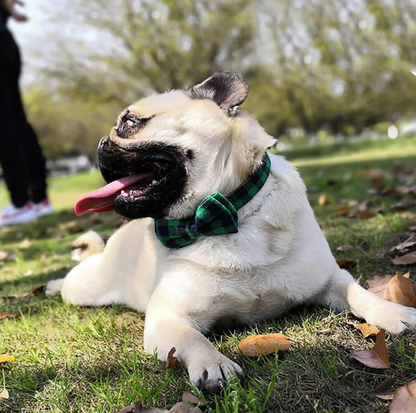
x=71, y=359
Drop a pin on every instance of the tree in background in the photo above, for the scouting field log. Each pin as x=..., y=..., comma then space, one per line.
x=335, y=65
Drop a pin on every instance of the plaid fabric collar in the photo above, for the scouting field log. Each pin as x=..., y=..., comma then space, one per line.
x=215, y=215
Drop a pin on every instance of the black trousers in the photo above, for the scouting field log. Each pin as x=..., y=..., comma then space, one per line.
x=21, y=156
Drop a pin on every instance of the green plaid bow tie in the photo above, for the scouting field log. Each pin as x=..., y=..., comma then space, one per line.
x=215, y=215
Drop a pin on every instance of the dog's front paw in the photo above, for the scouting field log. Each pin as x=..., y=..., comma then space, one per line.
x=207, y=372
x=393, y=317
x=54, y=287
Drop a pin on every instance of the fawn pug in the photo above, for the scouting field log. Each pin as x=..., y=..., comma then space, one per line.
x=220, y=230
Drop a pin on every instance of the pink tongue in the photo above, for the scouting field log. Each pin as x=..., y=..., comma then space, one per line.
x=101, y=200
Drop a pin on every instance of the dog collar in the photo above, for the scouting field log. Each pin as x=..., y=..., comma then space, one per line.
x=215, y=215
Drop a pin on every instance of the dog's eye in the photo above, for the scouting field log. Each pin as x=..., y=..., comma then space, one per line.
x=127, y=124
x=130, y=124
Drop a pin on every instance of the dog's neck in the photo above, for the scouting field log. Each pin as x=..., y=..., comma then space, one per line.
x=215, y=215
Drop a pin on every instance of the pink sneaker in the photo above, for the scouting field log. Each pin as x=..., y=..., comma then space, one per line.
x=43, y=207
x=15, y=216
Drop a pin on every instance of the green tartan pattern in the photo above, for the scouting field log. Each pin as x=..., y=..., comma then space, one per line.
x=215, y=215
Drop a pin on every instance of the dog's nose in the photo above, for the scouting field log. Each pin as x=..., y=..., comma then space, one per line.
x=103, y=142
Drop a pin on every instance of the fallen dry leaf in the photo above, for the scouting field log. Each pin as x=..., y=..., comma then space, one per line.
x=96, y=219
x=71, y=227
x=378, y=284
x=382, y=391
x=377, y=357
x=346, y=264
x=409, y=245
x=8, y=315
x=404, y=400
x=368, y=330
x=412, y=228
x=4, y=394
x=261, y=345
x=182, y=407
x=188, y=397
x=389, y=191
x=376, y=177
x=405, y=259
x=25, y=244
x=367, y=214
x=324, y=200
x=341, y=212
x=343, y=248
x=403, y=205
x=31, y=293
x=171, y=360
x=400, y=290
x=3, y=255
x=6, y=357
x=28, y=273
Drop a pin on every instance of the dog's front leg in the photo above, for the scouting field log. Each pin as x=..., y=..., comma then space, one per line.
x=165, y=329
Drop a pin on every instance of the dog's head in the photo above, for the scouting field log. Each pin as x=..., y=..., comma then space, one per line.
x=169, y=151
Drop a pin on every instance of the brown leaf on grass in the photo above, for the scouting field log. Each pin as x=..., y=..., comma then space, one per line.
x=96, y=219
x=182, y=407
x=368, y=330
x=4, y=394
x=400, y=290
x=7, y=230
x=377, y=357
x=261, y=345
x=403, y=205
x=6, y=357
x=3, y=255
x=3, y=316
x=389, y=191
x=376, y=177
x=409, y=245
x=382, y=391
x=171, y=360
x=405, y=259
x=31, y=293
x=343, y=248
x=346, y=264
x=367, y=213
x=378, y=284
x=25, y=244
x=324, y=200
x=404, y=400
x=363, y=212
x=342, y=212
x=71, y=227
x=188, y=397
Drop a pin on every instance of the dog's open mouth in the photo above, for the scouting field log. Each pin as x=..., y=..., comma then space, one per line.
x=126, y=186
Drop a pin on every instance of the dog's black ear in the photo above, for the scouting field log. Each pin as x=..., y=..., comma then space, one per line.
x=227, y=89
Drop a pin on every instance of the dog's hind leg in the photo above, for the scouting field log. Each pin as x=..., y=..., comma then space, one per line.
x=344, y=293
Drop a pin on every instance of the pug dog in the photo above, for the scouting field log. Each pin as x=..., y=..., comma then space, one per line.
x=166, y=156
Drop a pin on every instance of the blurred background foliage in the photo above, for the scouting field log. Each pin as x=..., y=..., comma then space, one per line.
x=317, y=68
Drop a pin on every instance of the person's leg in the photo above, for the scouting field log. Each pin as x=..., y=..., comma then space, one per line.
x=12, y=157
x=31, y=150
